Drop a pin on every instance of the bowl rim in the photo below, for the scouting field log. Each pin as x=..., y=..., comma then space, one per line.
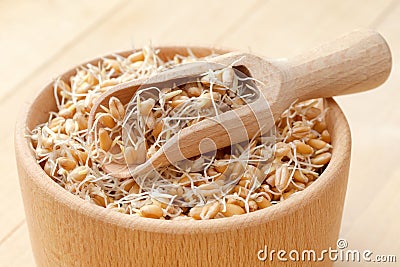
x=27, y=161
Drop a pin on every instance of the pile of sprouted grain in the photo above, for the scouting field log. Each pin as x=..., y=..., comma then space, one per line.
x=243, y=178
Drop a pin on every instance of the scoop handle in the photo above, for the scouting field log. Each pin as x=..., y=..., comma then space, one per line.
x=356, y=62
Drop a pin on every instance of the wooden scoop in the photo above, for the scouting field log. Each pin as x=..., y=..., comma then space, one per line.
x=356, y=62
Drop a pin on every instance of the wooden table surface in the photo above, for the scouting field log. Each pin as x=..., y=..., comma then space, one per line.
x=40, y=39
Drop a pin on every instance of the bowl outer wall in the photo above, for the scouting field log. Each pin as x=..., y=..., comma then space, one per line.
x=64, y=228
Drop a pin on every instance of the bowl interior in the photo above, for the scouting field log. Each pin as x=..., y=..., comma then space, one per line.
x=37, y=112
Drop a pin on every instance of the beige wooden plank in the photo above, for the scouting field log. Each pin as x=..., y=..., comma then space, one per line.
x=378, y=229
x=11, y=208
x=16, y=250
x=206, y=25
x=34, y=31
x=50, y=30
x=375, y=122
x=137, y=19
x=377, y=226
x=280, y=41
x=283, y=28
x=134, y=26
x=371, y=115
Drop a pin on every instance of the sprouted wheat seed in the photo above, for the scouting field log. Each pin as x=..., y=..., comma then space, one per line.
x=255, y=175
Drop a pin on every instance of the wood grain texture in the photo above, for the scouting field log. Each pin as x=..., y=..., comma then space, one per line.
x=30, y=36
x=16, y=249
x=370, y=217
x=271, y=28
x=285, y=28
x=356, y=62
x=11, y=207
x=51, y=30
x=61, y=225
x=140, y=28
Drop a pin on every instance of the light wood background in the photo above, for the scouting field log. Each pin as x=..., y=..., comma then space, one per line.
x=40, y=39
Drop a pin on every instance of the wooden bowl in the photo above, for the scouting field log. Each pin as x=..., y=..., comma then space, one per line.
x=65, y=230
